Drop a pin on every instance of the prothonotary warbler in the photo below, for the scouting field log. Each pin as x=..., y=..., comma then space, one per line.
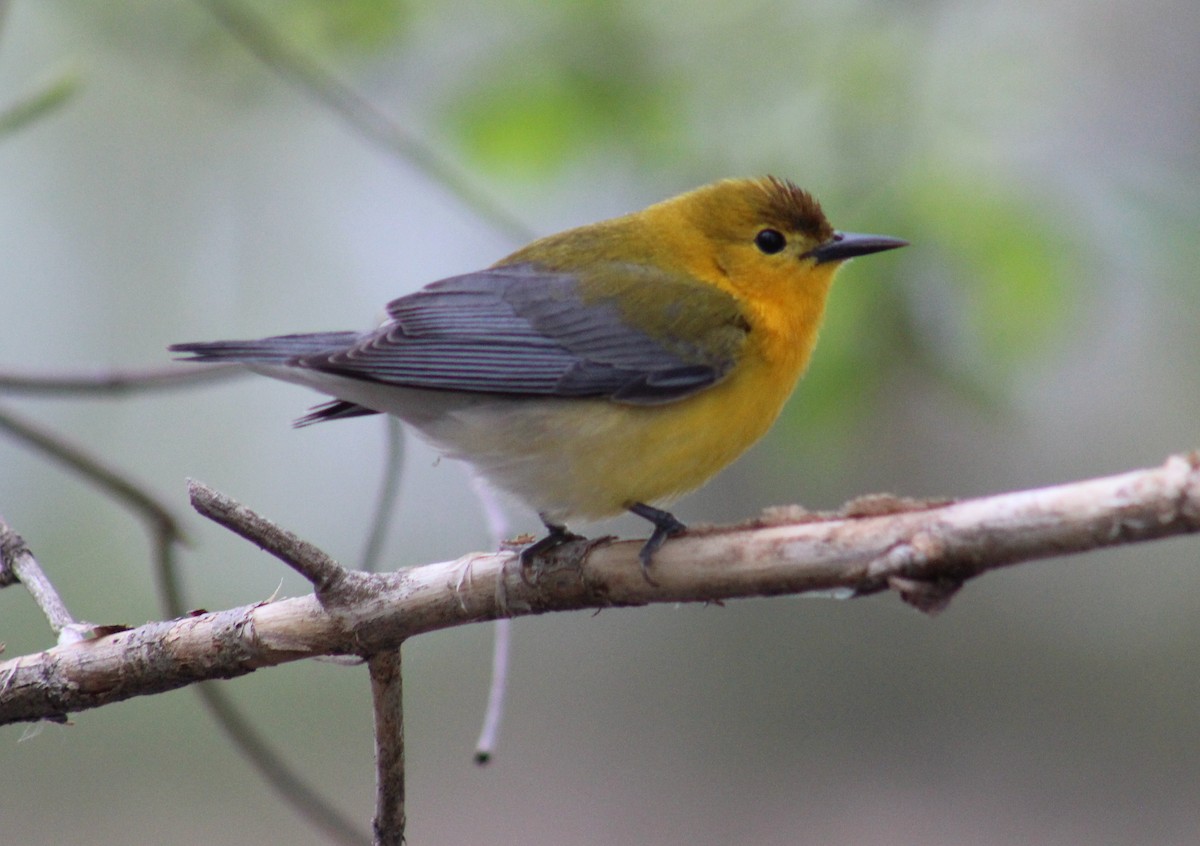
x=602, y=369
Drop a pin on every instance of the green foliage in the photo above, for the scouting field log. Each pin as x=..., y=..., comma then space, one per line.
x=530, y=121
x=999, y=297
x=49, y=98
x=1014, y=264
x=344, y=27
x=577, y=84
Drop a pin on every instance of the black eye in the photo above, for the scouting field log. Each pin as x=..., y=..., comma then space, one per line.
x=770, y=241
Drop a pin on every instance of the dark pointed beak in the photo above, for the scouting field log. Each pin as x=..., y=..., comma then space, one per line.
x=847, y=245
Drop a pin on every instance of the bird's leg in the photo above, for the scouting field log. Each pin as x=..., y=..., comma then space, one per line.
x=665, y=526
x=557, y=535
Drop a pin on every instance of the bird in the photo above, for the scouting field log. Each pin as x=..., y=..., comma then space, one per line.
x=608, y=368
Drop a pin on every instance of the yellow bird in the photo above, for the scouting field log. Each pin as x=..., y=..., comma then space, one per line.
x=604, y=368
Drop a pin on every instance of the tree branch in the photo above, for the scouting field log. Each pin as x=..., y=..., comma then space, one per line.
x=17, y=564
x=875, y=544
x=387, y=692
x=307, y=560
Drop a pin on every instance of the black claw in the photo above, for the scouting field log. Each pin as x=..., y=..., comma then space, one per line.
x=666, y=525
x=557, y=535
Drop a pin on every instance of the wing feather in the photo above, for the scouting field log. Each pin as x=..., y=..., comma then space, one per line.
x=524, y=330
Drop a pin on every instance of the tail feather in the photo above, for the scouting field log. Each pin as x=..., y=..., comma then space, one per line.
x=332, y=410
x=281, y=350
x=277, y=350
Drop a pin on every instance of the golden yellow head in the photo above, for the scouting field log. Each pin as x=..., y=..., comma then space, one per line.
x=756, y=237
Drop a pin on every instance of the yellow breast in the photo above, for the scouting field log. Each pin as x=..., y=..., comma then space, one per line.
x=594, y=458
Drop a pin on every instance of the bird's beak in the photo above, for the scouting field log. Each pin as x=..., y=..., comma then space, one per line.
x=847, y=245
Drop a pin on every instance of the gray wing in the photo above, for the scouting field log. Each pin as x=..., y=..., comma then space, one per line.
x=521, y=330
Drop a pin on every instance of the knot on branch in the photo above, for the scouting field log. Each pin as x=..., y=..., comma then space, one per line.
x=904, y=569
x=1188, y=501
x=347, y=596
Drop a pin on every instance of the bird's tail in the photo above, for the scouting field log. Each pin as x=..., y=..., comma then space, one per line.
x=280, y=349
x=276, y=354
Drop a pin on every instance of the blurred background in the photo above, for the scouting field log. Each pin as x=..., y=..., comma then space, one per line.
x=1042, y=159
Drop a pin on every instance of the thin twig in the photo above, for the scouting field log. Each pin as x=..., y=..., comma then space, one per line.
x=489, y=732
x=387, y=693
x=389, y=493
x=314, y=564
x=873, y=545
x=164, y=528
x=485, y=746
x=115, y=381
x=302, y=556
x=17, y=564
x=324, y=573
x=76, y=458
x=256, y=34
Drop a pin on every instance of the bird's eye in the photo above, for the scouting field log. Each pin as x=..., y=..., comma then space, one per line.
x=770, y=241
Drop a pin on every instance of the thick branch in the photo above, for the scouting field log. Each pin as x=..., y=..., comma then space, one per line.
x=929, y=550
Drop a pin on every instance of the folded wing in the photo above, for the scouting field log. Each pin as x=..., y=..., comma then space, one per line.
x=522, y=330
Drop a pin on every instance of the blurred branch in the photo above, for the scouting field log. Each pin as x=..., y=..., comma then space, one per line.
x=163, y=525
x=923, y=551
x=292, y=789
x=260, y=38
x=115, y=381
x=306, y=801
